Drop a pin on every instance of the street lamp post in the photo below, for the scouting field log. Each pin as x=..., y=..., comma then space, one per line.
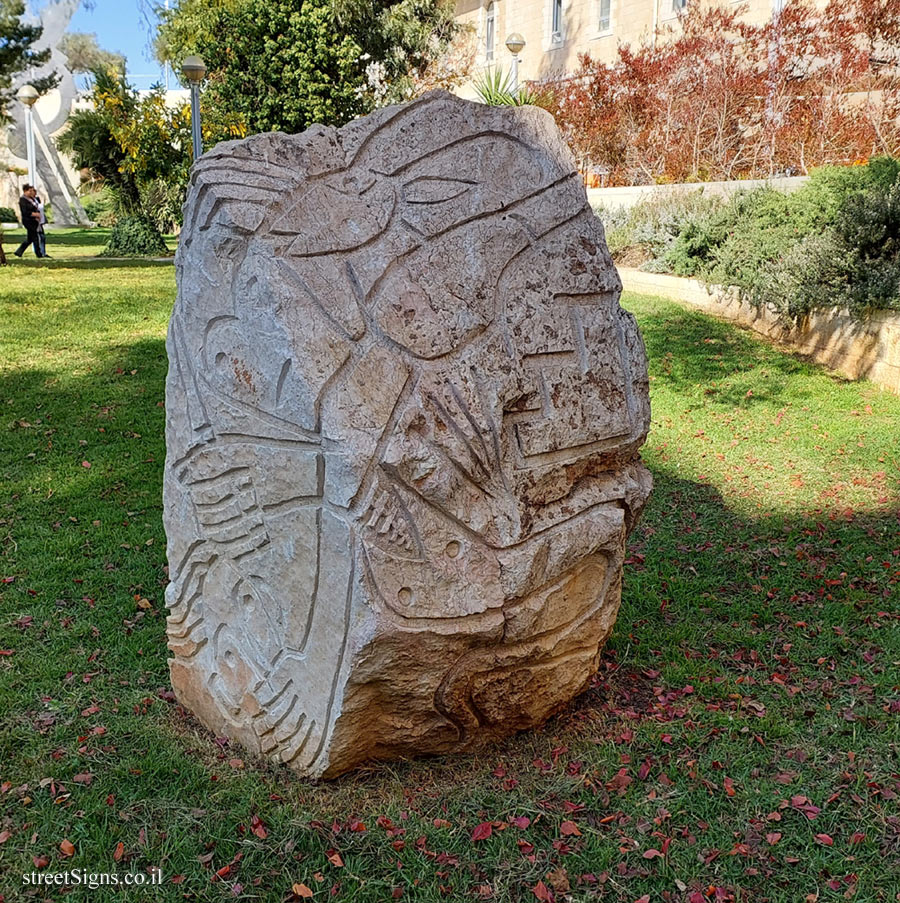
x=194, y=69
x=28, y=95
x=515, y=44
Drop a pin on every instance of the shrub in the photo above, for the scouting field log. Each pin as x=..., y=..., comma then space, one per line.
x=833, y=243
x=646, y=233
x=7, y=215
x=100, y=206
x=135, y=236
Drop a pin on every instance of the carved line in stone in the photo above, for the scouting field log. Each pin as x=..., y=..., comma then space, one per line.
x=474, y=622
x=340, y=662
x=315, y=592
x=372, y=239
x=386, y=433
x=450, y=421
x=300, y=282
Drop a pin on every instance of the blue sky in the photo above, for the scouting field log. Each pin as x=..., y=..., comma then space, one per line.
x=122, y=25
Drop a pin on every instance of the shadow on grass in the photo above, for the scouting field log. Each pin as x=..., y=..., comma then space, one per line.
x=92, y=263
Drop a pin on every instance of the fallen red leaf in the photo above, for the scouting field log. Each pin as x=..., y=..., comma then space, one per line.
x=302, y=891
x=825, y=840
x=67, y=848
x=258, y=828
x=482, y=831
x=542, y=892
x=334, y=857
x=119, y=851
x=652, y=854
x=569, y=829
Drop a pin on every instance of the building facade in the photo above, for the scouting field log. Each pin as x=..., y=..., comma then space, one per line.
x=557, y=32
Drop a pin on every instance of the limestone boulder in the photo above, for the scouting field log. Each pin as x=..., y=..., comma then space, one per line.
x=404, y=411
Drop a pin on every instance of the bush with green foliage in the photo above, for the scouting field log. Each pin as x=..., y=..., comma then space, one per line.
x=135, y=236
x=833, y=243
x=7, y=215
x=647, y=232
x=100, y=206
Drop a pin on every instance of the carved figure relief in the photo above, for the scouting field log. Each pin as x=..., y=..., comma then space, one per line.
x=404, y=414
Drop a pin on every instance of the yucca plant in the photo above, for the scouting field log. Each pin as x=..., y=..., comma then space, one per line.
x=494, y=87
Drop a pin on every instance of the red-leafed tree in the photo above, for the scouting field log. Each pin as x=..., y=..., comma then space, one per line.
x=718, y=98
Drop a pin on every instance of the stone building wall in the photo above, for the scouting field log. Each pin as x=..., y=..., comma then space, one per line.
x=630, y=22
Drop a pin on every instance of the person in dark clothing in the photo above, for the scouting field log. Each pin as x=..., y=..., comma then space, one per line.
x=31, y=220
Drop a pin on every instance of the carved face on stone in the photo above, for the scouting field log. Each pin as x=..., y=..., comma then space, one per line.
x=404, y=414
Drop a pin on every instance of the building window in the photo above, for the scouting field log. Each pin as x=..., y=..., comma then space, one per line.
x=605, y=19
x=489, y=29
x=678, y=5
x=556, y=22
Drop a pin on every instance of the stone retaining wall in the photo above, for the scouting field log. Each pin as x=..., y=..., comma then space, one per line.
x=858, y=349
x=625, y=197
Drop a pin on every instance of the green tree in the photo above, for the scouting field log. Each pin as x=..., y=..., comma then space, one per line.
x=285, y=64
x=140, y=147
x=84, y=54
x=89, y=138
x=17, y=53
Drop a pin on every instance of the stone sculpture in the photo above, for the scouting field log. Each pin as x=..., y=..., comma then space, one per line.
x=404, y=413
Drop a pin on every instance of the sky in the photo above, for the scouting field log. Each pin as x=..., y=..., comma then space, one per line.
x=122, y=25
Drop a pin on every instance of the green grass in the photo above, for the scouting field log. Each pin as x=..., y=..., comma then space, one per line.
x=755, y=660
x=71, y=248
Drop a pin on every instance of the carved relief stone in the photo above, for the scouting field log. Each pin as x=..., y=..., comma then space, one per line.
x=404, y=413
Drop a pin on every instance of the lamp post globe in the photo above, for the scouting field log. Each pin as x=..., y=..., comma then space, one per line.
x=515, y=44
x=194, y=69
x=28, y=96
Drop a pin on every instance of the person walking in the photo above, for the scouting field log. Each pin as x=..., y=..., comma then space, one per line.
x=42, y=235
x=31, y=220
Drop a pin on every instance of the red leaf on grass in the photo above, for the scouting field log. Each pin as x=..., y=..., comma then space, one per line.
x=67, y=848
x=258, y=828
x=773, y=838
x=482, y=831
x=569, y=829
x=334, y=857
x=652, y=854
x=119, y=852
x=520, y=821
x=825, y=840
x=542, y=892
x=857, y=837
x=302, y=891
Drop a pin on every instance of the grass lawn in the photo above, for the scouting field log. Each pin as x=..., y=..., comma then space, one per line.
x=68, y=248
x=741, y=743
